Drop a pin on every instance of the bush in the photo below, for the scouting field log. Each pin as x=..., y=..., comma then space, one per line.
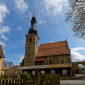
x=18, y=76
x=25, y=76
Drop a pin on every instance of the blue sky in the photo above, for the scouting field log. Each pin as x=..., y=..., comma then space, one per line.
x=15, y=17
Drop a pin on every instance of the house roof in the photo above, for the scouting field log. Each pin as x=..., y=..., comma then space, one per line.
x=69, y=65
x=55, y=48
x=1, y=52
x=5, y=67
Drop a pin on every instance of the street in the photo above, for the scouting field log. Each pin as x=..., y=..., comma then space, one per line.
x=79, y=80
x=72, y=82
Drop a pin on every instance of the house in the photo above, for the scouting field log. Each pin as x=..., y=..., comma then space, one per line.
x=11, y=72
x=4, y=68
x=1, y=58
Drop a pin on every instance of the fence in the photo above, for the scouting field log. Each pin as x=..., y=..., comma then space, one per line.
x=48, y=79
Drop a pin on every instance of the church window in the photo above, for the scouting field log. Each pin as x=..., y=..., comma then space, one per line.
x=30, y=40
x=45, y=61
x=62, y=61
x=29, y=48
x=55, y=60
x=50, y=61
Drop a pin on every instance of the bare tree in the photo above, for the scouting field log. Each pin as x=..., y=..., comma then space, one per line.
x=8, y=63
x=76, y=15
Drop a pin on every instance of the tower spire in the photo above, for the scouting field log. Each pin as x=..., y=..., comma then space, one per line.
x=33, y=29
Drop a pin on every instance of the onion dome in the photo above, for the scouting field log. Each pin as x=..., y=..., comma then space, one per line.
x=33, y=29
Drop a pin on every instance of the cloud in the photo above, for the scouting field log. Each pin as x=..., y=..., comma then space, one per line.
x=21, y=58
x=2, y=43
x=78, y=49
x=3, y=30
x=81, y=66
x=52, y=41
x=21, y=5
x=42, y=22
x=76, y=56
x=3, y=12
x=29, y=15
x=54, y=7
x=19, y=28
x=4, y=37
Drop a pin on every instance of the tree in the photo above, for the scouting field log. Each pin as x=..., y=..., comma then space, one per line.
x=76, y=15
x=8, y=63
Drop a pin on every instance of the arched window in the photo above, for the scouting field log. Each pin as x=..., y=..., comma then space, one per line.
x=29, y=48
x=30, y=40
x=62, y=61
x=50, y=61
x=56, y=60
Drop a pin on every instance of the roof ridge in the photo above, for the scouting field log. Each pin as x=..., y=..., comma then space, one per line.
x=51, y=47
x=53, y=42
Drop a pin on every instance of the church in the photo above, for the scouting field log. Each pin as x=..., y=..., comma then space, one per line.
x=52, y=57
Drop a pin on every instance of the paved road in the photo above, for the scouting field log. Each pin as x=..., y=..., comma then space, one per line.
x=79, y=80
x=72, y=82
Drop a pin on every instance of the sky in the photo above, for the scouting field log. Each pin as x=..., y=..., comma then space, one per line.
x=15, y=17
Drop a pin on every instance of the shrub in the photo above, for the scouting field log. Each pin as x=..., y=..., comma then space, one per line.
x=18, y=76
x=25, y=76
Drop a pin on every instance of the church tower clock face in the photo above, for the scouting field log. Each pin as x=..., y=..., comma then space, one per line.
x=31, y=47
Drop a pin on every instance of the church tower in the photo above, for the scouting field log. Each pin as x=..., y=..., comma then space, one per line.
x=31, y=47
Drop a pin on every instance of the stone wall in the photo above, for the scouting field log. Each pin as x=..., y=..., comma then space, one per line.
x=61, y=59
x=30, y=50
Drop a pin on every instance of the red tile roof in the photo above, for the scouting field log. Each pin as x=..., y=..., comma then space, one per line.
x=39, y=59
x=15, y=66
x=55, y=48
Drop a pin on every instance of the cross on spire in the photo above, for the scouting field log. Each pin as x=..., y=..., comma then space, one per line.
x=34, y=11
